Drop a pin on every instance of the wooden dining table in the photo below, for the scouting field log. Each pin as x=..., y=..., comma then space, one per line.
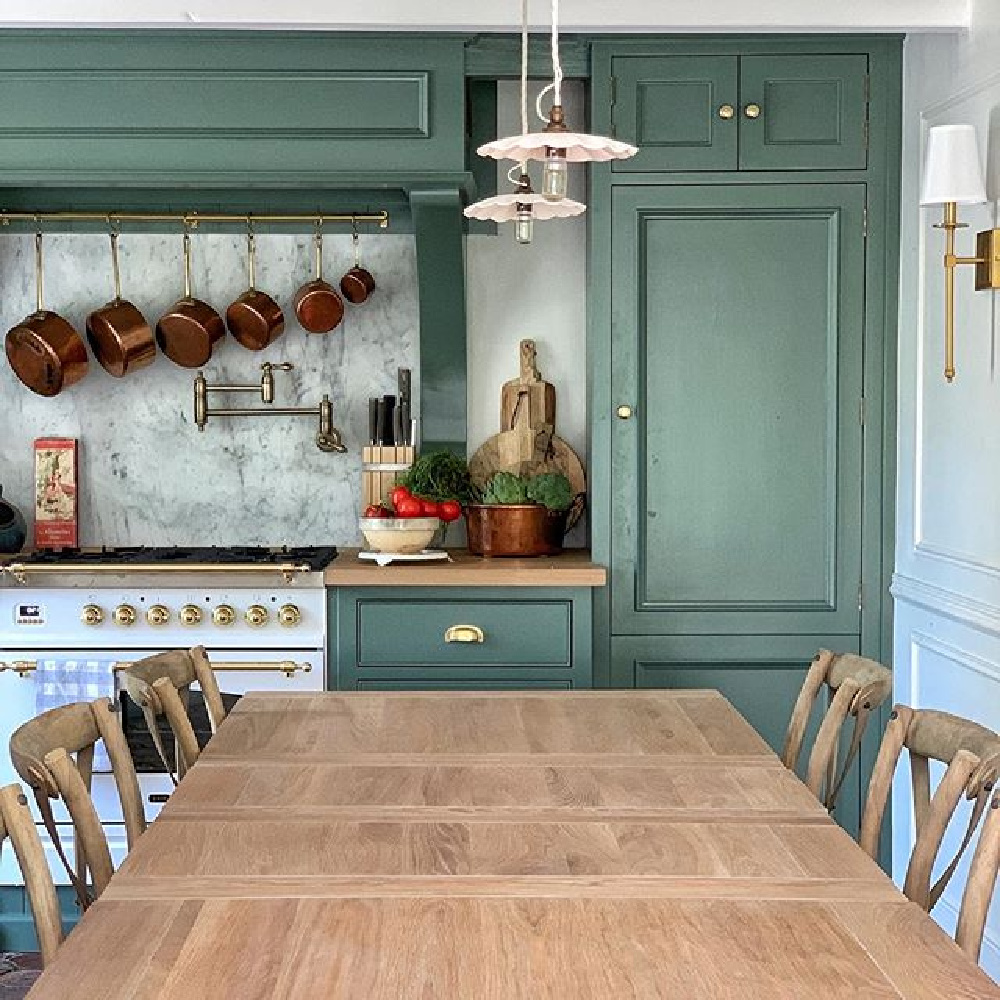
x=500, y=845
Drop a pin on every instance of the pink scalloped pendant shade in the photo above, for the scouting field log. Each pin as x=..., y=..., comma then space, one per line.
x=580, y=147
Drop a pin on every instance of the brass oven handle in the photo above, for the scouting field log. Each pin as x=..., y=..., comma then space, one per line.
x=464, y=633
x=21, y=667
x=288, y=667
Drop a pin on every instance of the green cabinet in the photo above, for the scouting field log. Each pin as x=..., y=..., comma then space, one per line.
x=742, y=112
x=737, y=340
x=389, y=638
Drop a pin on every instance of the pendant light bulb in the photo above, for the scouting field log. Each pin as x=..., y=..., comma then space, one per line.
x=524, y=223
x=555, y=176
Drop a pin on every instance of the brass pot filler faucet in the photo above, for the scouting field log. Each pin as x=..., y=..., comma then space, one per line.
x=327, y=439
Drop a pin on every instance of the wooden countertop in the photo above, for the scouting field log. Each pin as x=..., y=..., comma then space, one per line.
x=573, y=568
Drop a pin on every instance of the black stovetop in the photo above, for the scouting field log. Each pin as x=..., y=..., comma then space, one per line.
x=315, y=557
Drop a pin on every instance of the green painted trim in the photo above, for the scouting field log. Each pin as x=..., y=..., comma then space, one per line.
x=499, y=56
x=17, y=926
x=438, y=229
x=481, y=127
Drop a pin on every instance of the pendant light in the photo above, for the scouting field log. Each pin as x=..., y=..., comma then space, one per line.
x=556, y=145
x=523, y=205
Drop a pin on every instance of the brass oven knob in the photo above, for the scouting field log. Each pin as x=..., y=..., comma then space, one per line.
x=158, y=614
x=91, y=615
x=257, y=615
x=125, y=615
x=224, y=614
x=289, y=615
x=190, y=614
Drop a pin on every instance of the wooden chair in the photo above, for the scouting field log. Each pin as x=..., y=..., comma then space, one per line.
x=41, y=750
x=17, y=823
x=855, y=687
x=160, y=685
x=972, y=755
x=980, y=885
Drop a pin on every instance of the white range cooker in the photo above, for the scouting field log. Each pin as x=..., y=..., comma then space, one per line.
x=67, y=618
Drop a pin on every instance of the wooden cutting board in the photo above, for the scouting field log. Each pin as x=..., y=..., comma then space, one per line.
x=528, y=390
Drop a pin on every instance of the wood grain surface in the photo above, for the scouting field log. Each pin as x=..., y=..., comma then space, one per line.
x=602, y=844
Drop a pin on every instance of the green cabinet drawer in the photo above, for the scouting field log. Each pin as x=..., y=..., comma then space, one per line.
x=397, y=638
x=422, y=633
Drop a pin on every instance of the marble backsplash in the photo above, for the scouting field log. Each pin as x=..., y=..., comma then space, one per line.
x=147, y=476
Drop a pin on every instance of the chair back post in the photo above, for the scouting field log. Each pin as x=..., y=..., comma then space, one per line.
x=880, y=783
x=17, y=823
x=980, y=885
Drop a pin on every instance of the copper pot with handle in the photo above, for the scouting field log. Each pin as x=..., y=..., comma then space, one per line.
x=188, y=333
x=119, y=335
x=44, y=350
x=254, y=319
x=318, y=307
x=359, y=282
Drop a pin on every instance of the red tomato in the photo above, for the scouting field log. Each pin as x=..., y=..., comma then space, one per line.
x=399, y=493
x=449, y=510
x=430, y=508
x=409, y=507
x=377, y=510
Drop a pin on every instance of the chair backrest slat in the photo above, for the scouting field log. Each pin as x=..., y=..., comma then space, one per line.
x=17, y=823
x=972, y=755
x=981, y=884
x=855, y=687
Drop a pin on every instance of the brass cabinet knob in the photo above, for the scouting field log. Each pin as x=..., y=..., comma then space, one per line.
x=158, y=614
x=224, y=614
x=91, y=615
x=125, y=615
x=726, y=111
x=190, y=614
x=464, y=633
x=289, y=615
x=256, y=615
x=752, y=111
x=624, y=412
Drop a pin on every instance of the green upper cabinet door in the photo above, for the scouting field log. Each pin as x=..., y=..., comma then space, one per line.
x=679, y=110
x=813, y=112
x=737, y=334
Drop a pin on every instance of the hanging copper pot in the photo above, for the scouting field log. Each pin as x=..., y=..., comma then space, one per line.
x=359, y=282
x=254, y=319
x=188, y=333
x=44, y=350
x=318, y=307
x=118, y=333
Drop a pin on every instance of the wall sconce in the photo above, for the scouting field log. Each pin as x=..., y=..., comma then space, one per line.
x=953, y=176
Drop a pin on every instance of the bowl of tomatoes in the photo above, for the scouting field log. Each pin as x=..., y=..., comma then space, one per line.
x=407, y=524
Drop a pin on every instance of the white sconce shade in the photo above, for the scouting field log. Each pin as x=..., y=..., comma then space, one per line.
x=952, y=168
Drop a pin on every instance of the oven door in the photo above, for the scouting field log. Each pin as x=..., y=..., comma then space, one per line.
x=238, y=671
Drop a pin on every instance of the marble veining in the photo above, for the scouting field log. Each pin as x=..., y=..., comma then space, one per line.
x=147, y=475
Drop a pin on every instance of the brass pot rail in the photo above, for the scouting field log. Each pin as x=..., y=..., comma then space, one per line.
x=191, y=220
x=20, y=571
x=288, y=667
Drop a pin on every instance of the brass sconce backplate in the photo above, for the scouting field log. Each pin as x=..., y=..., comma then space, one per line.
x=988, y=263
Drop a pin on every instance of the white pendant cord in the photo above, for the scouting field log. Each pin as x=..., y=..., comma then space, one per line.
x=557, y=72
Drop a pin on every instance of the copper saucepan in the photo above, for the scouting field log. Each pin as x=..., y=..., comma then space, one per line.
x=45, y=352
x=188, y=333
x=318, y=307
x=118, y=333
x=254, y=319
x=359, y=282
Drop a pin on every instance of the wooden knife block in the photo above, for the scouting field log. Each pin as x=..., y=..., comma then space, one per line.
x=381, y=468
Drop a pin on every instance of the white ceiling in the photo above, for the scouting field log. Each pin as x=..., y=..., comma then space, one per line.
x=500, y=15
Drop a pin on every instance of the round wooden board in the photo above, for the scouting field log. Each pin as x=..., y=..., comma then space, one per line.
x=551, y=454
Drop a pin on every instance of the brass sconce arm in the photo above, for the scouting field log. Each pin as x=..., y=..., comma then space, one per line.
x=328, y=438
x=987, y=263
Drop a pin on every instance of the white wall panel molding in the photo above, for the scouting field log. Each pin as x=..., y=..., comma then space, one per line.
x=948, y=603
x=956, y=655
x=970, y=92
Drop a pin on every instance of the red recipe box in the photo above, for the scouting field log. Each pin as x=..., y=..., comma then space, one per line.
x=56, y=500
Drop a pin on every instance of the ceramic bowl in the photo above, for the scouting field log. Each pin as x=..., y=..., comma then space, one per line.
x=402, y=535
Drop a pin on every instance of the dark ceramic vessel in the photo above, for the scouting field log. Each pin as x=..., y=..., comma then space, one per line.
x=13, y=530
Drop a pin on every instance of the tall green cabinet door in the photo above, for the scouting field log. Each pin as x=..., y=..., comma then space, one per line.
x=804, y=112
x=737, y=330
x=679, y=110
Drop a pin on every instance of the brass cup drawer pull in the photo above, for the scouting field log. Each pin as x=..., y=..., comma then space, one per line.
x=464, y=633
